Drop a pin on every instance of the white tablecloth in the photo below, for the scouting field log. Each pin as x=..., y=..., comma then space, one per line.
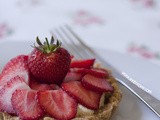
x=127, y=26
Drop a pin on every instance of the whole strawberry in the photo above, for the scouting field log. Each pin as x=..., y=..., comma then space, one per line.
x=49, y=62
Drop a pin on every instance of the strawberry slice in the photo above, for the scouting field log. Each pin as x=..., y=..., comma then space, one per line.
x=85, y=97
x=71, y=76
x=96, y=84
x=54, y=86
x=16, y=66
x=39, y=86
x=25, y=104
x=6, y=93
x=71, y=56
x=82, y=63
x=58, y=104
x=99, y=72
x=94, y=71
x=36, y=85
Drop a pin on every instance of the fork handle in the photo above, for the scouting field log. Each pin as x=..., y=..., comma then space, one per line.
x=128, y=82
x=149, y=100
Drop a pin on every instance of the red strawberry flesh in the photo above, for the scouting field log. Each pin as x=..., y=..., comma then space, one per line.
x=7, y=91
x=96, y=84
x=25, y=104
x=54, y=86
x=49, y=68
x=85, y=97
x=39, y=86
x=96, y=72
x=58, y=104
x=88, y=63
x=16, y=66
x=71, y=76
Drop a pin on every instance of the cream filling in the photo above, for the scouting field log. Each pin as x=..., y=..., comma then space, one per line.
x=81, y=110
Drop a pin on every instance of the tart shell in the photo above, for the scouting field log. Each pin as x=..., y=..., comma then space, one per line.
x=104, y=113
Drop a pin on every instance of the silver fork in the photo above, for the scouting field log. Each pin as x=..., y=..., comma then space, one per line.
x=80, y=50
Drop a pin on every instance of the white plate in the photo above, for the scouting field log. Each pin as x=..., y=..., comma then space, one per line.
x=131, y=108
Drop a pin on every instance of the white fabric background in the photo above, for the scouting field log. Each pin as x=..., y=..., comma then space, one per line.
x=117, y=25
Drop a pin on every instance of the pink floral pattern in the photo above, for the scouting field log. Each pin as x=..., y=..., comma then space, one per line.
x=85, y=18
x=143, y=51
x=5, y=30
x=146, y=3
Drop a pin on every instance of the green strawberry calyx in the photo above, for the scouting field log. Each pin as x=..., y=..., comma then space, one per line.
x=48, y=47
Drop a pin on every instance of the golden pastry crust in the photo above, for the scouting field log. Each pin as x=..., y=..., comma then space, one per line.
x=104, y=113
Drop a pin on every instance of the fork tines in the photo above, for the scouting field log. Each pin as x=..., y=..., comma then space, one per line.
x=72, y=42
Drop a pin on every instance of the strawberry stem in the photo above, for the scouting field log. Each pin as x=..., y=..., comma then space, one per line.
x=52, y=40
x=38, y=41
x=48, y=47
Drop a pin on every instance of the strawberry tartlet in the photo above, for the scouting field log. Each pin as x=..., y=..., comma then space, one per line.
x=49, y=84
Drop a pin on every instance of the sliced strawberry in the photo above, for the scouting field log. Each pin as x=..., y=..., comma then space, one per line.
x=39, y=86
x=82, y=63
x=36, y=85
x=85, y=97
x=71, y=56
x=99, y=72
x=96, y=84
x=58, y=104
x=16, y=66
x=54, y=86
x=72, y=76
x=25, y=104
x=6, y=93
x=94, y=71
